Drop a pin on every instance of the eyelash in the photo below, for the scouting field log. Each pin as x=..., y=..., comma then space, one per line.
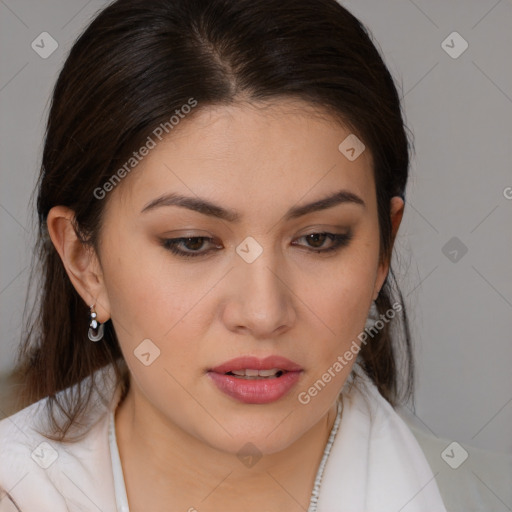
x=339, y=240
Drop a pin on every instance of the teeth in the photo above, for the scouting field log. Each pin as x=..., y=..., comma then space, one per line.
x=250, y=373
x=268, y=373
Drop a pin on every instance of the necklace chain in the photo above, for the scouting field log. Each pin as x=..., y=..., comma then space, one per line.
x=315, y=494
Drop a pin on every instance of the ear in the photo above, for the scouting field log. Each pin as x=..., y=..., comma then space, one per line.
x=397, y=211
x=80, y=261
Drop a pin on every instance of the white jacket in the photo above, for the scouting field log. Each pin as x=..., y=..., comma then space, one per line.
x=375, y=464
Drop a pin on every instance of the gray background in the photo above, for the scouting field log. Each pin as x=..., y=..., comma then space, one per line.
x=460, y=110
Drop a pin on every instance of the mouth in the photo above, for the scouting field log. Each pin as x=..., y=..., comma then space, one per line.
x=250, y=374
x=256, y=381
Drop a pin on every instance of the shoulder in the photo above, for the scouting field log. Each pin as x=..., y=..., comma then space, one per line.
x=19, y=437
x=40, y=474
x=26, y=458
x=375, y=452
x=390, y=441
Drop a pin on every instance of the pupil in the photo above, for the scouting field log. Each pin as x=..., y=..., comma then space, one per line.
x=194, y=246
x=315, y=236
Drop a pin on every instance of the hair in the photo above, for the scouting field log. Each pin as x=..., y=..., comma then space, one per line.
x=133, y=66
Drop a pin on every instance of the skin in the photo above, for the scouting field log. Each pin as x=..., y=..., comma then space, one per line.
x=178, y=435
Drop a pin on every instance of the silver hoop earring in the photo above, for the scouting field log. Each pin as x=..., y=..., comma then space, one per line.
x=95, y=328
x=373, y=316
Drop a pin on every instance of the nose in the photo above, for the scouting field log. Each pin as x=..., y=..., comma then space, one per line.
x=261, y=299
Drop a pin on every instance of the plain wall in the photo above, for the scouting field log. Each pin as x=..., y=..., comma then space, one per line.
x=460, y=111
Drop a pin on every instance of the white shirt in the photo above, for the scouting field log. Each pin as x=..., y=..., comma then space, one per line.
x=375, y=464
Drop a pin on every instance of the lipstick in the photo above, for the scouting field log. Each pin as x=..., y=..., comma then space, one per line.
x=252, y=380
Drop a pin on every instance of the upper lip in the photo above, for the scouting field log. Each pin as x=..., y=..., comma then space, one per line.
x=255, y=363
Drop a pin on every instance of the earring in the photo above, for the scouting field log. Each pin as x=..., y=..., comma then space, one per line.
x=93, y=326
x=373, y=316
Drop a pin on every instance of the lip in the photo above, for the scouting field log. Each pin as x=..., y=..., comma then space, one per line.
x=256, y=391
x=255, y=363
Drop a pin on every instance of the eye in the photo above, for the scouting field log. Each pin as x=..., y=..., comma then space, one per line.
x=193, y=245
x=317, y=240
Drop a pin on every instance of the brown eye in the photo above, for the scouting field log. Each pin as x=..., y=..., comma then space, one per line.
x=317, y=240
x=192, y=245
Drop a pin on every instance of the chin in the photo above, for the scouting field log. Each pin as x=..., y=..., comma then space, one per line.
x=264, y=436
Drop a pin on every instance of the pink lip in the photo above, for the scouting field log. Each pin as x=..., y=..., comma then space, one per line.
x=256, y=391
x=254, y=363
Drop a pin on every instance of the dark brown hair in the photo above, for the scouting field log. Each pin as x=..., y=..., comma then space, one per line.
x=134, y=65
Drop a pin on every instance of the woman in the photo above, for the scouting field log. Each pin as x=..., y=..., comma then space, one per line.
x=221, y=185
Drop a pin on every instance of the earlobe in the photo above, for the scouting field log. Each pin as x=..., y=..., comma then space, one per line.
x=79, y=259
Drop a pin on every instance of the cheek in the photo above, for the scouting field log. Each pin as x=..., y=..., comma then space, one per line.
x=146, y=298
x=344, y=294
x=154, y=298
x=344, y=310
x=342, y=301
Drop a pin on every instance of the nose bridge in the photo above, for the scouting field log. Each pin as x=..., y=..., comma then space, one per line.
x=265, y=302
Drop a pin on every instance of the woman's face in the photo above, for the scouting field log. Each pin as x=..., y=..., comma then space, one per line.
x=251, y=282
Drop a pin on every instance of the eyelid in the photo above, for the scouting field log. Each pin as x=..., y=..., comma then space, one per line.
x=184, y=233
x=171, y=243
x=338, y=241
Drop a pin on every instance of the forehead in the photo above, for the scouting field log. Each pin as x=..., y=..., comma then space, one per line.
x=267, y=149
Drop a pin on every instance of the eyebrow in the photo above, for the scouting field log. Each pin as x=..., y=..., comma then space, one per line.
x=206, y=207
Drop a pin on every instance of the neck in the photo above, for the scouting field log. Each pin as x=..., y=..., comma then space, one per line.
x=158, y=455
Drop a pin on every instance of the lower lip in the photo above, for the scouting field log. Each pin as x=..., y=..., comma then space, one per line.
x=255, y=391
